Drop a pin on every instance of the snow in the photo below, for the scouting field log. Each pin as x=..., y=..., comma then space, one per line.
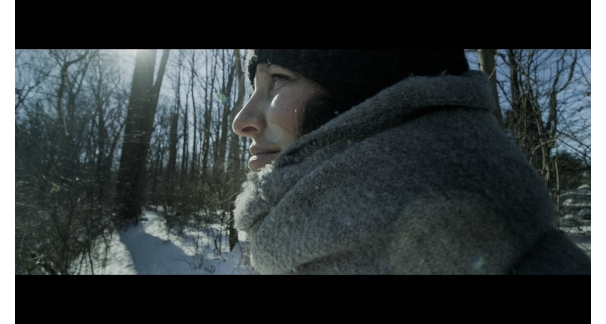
x=149, y=248
x=576, y=216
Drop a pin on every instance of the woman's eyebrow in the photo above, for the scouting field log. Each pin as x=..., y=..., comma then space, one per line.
x=273, y=67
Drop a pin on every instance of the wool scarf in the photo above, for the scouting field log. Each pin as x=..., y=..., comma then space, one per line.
x=418, y=179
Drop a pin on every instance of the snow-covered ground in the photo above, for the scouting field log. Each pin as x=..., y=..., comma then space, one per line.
x=575, y=217
x=580, y=232
x=149, y=248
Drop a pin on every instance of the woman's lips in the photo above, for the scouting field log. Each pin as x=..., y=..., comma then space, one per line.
x=261, y=159
x=262, y=154
x=256, y=150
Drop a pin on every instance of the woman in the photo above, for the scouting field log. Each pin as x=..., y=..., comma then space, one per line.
x=388, y=162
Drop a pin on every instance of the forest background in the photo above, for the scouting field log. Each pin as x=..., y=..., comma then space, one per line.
x=101, y=133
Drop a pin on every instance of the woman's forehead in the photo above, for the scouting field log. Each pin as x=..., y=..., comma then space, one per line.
x=268, y=67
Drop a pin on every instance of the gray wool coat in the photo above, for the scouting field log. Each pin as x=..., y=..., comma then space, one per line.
x=418, y=179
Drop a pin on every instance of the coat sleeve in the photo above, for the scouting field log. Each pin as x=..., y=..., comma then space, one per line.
x=456, y=233
x=451, y=233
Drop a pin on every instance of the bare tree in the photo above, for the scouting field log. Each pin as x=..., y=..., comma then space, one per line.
x=66, y=133
x=488, y=65
x=31, y=72
x=194, y=155
x=235, y=174
x=225, y=92
x=139, y=125
x=171, y=170
x=548, y=109
x=208, y=84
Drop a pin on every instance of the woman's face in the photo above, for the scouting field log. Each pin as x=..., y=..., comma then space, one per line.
x=271, y=115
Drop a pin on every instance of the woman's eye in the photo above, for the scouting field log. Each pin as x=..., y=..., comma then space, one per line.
x=279, y=78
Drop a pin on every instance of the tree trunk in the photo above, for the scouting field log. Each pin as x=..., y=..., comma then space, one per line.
x=488, y=65
x=137, y=134
x=65, y=119
x=234, y=169
x=185, y=148
x=208, y=103
x=222, y=147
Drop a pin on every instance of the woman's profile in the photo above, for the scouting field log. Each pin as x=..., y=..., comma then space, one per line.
x=388, y=162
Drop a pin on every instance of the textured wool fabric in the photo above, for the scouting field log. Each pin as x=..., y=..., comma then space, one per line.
x=352, y=75
x=418, y=179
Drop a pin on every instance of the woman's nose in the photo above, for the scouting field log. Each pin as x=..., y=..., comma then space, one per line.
x=250, y=120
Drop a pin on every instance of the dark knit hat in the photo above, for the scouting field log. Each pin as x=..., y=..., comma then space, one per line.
x=352, y=76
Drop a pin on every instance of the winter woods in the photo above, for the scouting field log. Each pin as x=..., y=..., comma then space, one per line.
x=545, y=107
x=101, y=133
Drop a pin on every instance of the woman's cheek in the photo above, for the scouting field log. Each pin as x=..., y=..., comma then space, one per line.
x=279, y=135
x=282, y=122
